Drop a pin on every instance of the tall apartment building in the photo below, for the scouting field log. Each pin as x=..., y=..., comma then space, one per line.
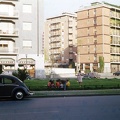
x=60, y=40
x=98, y=34
x=21, y=30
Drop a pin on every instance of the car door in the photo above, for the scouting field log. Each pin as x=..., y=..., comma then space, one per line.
x=1, y=87
x=8, y=85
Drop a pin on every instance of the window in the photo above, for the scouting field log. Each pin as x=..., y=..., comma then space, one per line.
x=94, y=12
x=27, y=44
x=95, y=58
x=7, y=27
x=95, y=21
x=88, y=49
x=27, y=8
x=8, y=81
x=88, y=31
x=88, y=21
x=95, y=33
x=88, y=41
x=4, y=45
x=88, y=13
x=62, y=58
x=6, y=9
x=27, y=26
x=95, y=49
x=95, y=41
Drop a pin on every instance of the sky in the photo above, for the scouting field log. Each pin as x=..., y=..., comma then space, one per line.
x=57, y=7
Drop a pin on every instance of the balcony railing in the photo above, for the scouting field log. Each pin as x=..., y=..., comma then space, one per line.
x=115, y=26
x=56, y=40
x=114, y=34
x=56, y=46
x=57, y=52
x=115, y=53
x=4, y=15
x=114, y=16
x=7, y=51
x=115, y=44
x=7, y=33
x=115, y=60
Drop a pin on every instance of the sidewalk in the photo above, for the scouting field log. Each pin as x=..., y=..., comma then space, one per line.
x=76, y=93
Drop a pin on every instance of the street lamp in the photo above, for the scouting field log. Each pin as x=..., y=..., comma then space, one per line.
x=26, y=61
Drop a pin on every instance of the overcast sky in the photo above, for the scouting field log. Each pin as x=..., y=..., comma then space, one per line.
x=57, y=7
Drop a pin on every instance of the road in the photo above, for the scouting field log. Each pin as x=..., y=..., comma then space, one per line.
x=62, y=108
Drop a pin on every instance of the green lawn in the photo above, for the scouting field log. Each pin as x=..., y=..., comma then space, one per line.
x=88, y=84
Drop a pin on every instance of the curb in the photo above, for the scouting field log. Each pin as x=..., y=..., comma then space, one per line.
x=73, y=93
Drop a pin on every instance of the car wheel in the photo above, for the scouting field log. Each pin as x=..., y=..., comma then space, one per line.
x=19, y=95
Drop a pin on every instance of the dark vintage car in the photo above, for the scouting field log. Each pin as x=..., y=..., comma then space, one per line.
x=11, y=86
x=116, y=73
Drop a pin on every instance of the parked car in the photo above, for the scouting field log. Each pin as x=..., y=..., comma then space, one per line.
x=86, y=76
x=11, y=86
x=116, y=73
x=28, y=77
x=90, y=75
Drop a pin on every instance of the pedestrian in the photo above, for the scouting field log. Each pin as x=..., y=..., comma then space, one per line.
x=61, y=85
x=64, y=84
x=49, y=84
x=79, y=77
x=67, y=84
x=52, y=84
x=58, y=83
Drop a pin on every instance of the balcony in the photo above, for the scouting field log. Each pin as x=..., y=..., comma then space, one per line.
x=57, y=58
x=115, y=53
x=71, y=52
x=57, y=52
x=55, y=35
x=113, y=34
x=70, y=37
x=7, y=33
x=115, y=61
x=115, y=44
x=6, y=51
x=114, y=16
x=70, y=45
x=54, y=40
x=6, y=15
x=115, y=26
x=55, y=46
x=55, y=28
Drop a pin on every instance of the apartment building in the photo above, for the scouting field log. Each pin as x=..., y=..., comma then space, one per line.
x=60, y=40
x=21, y=34
x=98, y=35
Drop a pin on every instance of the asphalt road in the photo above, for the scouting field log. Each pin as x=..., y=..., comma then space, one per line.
x=62, y=108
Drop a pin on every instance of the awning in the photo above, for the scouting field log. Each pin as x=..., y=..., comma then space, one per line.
x=7, y=61
x=25, y=61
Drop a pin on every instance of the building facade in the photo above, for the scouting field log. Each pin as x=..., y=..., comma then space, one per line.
x=98, y=35
x=60, y=40
x=21, y=30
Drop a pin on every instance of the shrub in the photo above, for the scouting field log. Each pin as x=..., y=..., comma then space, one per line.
x=21, y=74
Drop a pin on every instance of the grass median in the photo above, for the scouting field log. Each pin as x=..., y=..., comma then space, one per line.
x=88, y=84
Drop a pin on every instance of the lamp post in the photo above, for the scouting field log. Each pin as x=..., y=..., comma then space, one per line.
x=78, y=61
x=26, y=61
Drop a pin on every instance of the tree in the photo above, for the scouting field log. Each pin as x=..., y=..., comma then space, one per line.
x=21, y=74
x=72, y=64
x=101, y=61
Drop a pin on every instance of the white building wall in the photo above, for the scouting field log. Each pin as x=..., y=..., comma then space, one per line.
x=34, y=34
x=107, y=68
